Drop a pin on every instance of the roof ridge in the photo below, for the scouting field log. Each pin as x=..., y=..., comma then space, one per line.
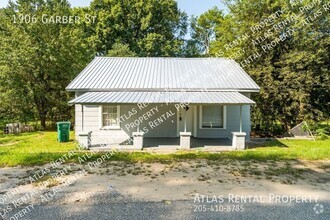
x=188, y=58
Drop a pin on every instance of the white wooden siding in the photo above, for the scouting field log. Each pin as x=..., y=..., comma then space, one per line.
x=167, y=129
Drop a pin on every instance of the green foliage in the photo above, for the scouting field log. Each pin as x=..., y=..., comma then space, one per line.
x=320, y=129
x=293, y=73
x=322, y=134
x=148, y=27
x=120, y=50
x=38, y=61
x=203, y=29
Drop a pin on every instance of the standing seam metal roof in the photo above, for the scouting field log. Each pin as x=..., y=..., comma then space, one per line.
x=153, y=74
x=162, y=97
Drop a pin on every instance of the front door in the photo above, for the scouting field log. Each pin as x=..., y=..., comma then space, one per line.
x=188, y=113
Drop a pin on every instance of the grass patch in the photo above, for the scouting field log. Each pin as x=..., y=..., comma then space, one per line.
x=47, y=181
x=39, y=148
x=34, y=148
x=286, y=170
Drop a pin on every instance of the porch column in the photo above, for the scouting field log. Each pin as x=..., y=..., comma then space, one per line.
x=138, y=140
x=240, y=119
x=239, y=137
x=185, y=119
x=137, y=116
x=82, y=118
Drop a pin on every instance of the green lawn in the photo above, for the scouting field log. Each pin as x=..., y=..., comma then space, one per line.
x=32, y=148
x=42, y=147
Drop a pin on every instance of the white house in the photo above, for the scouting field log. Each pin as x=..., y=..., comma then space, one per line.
x=126, y=101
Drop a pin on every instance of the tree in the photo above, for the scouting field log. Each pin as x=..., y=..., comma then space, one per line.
x=202, y=29
x=148, y=27
x=40, y=58
x=292, y=72
x=120, y=50
x=192, y=48
x=288, y=57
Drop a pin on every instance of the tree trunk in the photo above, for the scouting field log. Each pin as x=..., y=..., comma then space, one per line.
x=42, y=118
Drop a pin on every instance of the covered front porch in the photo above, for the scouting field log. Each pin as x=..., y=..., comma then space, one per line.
x=141, y=120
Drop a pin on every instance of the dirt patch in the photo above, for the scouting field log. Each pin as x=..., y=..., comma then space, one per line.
x=178, y=180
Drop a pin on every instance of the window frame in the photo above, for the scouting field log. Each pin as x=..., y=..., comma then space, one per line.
x=115, y=127
x=224, y=115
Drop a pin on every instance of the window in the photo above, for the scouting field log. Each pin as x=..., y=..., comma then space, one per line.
x=110, y=113
x=212, y=117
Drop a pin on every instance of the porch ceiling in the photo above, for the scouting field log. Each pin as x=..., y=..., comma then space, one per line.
x=205, y=97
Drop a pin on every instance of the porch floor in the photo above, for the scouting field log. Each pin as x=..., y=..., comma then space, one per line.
x=171, y=145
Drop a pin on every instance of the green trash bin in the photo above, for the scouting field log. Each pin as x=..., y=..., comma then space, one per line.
x=63, y=131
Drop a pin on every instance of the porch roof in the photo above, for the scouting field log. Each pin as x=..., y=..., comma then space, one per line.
x=202, y=97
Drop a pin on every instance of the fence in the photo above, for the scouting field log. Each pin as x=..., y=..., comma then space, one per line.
x=16, y=128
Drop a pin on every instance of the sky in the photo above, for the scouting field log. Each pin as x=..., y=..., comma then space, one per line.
x=191, y=7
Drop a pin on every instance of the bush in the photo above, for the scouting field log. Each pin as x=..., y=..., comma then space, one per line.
x=322, y=133
x=319, y=129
